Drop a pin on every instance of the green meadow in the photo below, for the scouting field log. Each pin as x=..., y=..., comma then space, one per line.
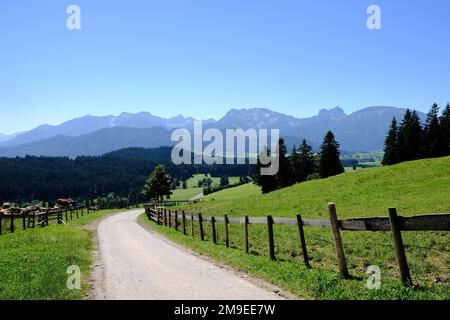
x=417, y=187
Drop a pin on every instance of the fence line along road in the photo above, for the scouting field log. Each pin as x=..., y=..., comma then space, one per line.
x=393, y=223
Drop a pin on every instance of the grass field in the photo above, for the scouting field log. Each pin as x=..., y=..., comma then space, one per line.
x=185, y=194
x=417, y=187
x=33, y=262
x=192, y=182
x=192, y=189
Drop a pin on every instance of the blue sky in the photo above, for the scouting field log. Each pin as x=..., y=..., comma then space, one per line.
x=203, y=57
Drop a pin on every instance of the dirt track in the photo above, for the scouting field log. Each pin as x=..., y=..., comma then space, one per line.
x=138, y=264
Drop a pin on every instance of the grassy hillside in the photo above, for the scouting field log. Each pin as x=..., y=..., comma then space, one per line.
x=414, y=188
x=33, y=263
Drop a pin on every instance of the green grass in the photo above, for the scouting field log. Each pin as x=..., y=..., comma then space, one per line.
x=185, y=194
x=417, y=187
x=33, y=262
x=192, y=182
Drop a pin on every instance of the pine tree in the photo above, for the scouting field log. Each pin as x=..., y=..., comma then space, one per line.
x=391, y=146
x=268, y=183
x=284, y=175
x=432, y=140
x=329, y=163
x=157, y=185
x=410, y=137
x=306, y=161
x=295, y=165
x=444, y=125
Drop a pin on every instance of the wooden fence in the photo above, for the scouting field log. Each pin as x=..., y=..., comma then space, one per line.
x=393, y=223
x=30, y=220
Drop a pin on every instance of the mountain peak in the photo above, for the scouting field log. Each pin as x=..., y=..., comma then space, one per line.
x=335, y=113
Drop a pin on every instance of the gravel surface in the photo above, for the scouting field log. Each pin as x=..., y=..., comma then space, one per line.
x=139, y=264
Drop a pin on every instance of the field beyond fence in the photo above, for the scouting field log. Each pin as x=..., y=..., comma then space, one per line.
x=186, y=222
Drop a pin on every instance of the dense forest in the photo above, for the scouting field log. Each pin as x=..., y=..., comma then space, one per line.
x=121, y=172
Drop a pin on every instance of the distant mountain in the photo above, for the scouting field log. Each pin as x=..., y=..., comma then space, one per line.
x=363, y=130
x=5, y=137
x=89, y=124
x=92, y=144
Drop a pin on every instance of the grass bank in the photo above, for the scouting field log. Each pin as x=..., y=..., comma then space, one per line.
x=414, y=188
x=33, y=262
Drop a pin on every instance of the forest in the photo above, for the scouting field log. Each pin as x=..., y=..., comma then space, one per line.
x=120, y=172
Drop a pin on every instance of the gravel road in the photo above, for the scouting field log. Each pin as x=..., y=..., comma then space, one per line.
x=138, y=264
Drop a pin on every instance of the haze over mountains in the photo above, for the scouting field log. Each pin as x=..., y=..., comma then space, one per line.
x=363, y=130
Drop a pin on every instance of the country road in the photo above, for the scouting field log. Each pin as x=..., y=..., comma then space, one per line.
x=137, y=264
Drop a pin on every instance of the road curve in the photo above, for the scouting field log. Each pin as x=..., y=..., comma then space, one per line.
x=138, y=264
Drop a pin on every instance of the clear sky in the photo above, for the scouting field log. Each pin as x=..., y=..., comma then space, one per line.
x=203, y=57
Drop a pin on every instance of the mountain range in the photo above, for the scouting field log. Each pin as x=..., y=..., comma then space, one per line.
x=363, y=130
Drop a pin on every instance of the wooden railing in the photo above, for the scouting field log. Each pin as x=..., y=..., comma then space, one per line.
x=393, y=223
x=30, y=220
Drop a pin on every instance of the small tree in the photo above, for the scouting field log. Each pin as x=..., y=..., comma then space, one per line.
x=391, y=150
x=157, y=185
x=329, y=162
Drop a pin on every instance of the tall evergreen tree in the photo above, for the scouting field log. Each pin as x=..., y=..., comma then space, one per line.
x=267, y=183
x=295, y=165
x=432, y=139
x=157, y=185
x=444, y=125
x=284, y=175
x=306, y=161
x=391, y=146
x=410, y=137
x=329, y=163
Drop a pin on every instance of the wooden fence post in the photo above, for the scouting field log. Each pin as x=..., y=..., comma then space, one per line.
x=227, y=239
x=271, y=240
x=66, y=215
x=71, y=214
x=399, y=248
x=200, y=222
x=170, y=219
x=183, y=217
x=213, y=230
x=176, y=220
x=192, y=224
x=165, y=217
x=76, y=211
x=12, y=223
x=247, y=246
x=338, y=241
x=303, y=241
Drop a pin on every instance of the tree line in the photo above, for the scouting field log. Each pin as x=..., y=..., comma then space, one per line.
x=122, y=173
x=412, y=140
x=302, y=164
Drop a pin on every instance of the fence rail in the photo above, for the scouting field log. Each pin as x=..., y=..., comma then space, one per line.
x=393, y=223
x=42, y=218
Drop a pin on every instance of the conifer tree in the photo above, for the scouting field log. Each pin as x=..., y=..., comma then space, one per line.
x=391, y=146
x=329, y=162
x=444, y=126
x=432, y=139
x=306, y=161
x=410, y=137
x=284, y=175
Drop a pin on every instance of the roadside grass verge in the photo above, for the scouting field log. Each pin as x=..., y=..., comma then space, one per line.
x=416, y=187
x=33, y=262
